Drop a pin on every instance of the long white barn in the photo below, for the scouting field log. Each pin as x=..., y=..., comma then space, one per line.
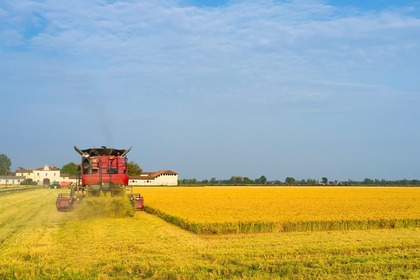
x=159, y=178
x=11, y=180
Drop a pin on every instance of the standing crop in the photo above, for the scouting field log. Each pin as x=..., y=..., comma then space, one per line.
x=265, y=209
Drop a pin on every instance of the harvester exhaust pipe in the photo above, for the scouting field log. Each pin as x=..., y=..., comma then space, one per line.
x=78, y=150
x=126, y=152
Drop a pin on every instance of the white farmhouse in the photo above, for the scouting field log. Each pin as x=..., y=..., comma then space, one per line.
x=42, y=176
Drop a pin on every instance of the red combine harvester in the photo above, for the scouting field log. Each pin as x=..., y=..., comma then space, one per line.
x=103, y=171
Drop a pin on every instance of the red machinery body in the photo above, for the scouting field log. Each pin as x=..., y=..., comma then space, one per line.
x=98, y=169
x=137, y=201
x=66, y=202
x=63, y=204
x=102, y=170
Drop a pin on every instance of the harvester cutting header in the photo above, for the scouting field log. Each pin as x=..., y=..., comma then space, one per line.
x=103, y=171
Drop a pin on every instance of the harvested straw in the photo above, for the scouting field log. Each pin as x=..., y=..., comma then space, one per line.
x=110, y=207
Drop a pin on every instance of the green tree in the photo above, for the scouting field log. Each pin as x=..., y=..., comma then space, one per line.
x=325, y=180
x=290, y=180
x=263, y=180
x=192, y=181
x=69, y=168
x=368, y=181
x=247, y=181
x=311, y=182
x=134, y=169
x=5, y=164
x=236, y=180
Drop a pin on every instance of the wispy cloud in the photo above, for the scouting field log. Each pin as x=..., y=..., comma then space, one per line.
x=243, y=46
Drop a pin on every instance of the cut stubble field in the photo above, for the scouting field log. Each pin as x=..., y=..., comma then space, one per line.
x=38, y=242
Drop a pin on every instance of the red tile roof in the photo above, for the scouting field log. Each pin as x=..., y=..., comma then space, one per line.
x=52, y=168
x=23, y=171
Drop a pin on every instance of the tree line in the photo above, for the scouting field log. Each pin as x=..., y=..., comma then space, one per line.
x=134, y=169
x=291, y=181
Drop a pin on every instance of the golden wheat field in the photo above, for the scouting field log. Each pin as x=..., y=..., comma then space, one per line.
x=37, y=242
x=260, y=209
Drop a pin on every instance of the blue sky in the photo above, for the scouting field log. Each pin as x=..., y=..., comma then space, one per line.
x=208, y=89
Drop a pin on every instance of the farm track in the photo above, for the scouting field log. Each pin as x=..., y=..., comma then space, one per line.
x=41, y=243
x=7, y=191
